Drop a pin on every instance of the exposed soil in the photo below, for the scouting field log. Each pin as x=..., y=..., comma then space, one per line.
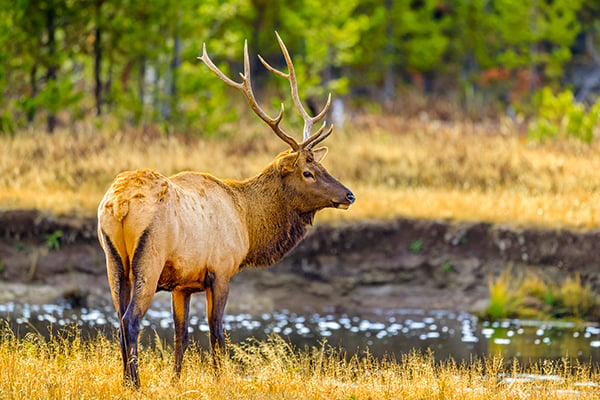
x=351, y=268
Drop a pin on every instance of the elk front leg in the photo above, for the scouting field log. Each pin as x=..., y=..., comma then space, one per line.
x=181, y=309
x=216, y=298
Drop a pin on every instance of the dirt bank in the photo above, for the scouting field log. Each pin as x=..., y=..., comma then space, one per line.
x=351, y=268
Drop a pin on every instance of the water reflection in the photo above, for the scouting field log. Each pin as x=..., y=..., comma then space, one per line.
x=449, y=334
x=539, y=339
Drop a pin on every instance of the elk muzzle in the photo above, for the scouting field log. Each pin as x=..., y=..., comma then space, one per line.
x=345, y=204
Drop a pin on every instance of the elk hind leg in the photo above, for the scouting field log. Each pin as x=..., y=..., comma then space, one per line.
x=120, y=289
x=146, y=267
x=181, y=309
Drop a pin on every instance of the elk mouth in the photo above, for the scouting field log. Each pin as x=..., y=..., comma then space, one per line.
x=344, y=204
x=341, y=206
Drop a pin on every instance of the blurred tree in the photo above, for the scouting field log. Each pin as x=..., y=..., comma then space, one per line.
x=41, y=39
x=404, y=38
x=535, y=34
x=25, y=51
x=138, y=59
x=7, y=16
x=589, y=16
x=421, y=32
x=203, y=103
x=323, y=38
x=99, y=23
x=469, y=45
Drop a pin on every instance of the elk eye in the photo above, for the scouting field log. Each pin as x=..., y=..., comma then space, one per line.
x=308, y=174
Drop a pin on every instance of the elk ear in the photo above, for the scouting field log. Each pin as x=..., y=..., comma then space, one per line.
x=286, y=163
x=320, y=153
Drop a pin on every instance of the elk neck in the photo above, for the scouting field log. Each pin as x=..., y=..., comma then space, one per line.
x=274, y=227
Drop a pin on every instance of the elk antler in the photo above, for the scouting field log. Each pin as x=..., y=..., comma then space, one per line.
x=308, y=139
x=246, y=87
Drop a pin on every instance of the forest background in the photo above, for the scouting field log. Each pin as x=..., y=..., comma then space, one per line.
x=62, y=61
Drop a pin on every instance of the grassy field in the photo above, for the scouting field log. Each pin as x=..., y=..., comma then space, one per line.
x=396, y=167
x=68, y=367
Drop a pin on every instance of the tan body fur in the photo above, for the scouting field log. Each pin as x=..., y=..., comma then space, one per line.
x=192, y=232
x=194, y=214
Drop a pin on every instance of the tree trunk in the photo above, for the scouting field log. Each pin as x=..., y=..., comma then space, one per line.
x=533, y=48
x=257, y=24
x=388, y=89
x=175, y=63
x=108, y=83
x=591, y=79
x=388, y=82
x=169, y=107
x=51, y=73
x=34, y=90
x=142, y=79
x=98, y=59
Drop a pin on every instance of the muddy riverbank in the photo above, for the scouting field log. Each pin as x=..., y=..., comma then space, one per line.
x=352, y=268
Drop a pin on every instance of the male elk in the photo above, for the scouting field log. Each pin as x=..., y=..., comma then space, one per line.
x=192, y=232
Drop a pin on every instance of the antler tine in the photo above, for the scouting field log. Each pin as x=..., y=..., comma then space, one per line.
x=246, y=87
x=316, y=137
x=274, y=70
x=246, y=62
x=319, y=138
x=291, y=77
x=206, y=59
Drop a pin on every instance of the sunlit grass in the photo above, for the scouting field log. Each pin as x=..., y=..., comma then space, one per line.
x=66, y=366
x=395, y=166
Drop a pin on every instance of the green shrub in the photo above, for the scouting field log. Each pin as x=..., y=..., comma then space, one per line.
x=578, y=300
x=504, y=299
x=531, y=297
x=561, y=116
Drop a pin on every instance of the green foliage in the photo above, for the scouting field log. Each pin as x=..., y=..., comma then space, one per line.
x=53, y=240
x=6, y=124
x=578, y=300
x=20, y=246
x=530, y=297
x=57, y=96
x=504, y=301
x=561, y=116
x=416, y=246
x=427, y=41
x=148, y=71
x=471, y=33
x=536, y=33
x=447, y=267
x=209, y=110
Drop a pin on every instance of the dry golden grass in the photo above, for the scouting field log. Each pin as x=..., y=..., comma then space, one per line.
x=67, y=367
x=395, y=166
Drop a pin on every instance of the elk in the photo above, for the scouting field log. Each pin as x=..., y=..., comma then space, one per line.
x=192, y=232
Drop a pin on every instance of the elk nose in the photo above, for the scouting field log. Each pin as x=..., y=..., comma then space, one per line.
x=350, y=197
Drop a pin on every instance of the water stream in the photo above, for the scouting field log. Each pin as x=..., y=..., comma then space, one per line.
x=448, y=334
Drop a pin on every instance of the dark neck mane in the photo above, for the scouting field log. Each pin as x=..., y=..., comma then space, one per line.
x=274, y=228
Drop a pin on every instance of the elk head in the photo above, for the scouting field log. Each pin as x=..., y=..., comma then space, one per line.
x=310, y=186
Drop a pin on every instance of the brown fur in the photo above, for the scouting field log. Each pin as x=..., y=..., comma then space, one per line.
x=191, y=232
x=274, y=227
